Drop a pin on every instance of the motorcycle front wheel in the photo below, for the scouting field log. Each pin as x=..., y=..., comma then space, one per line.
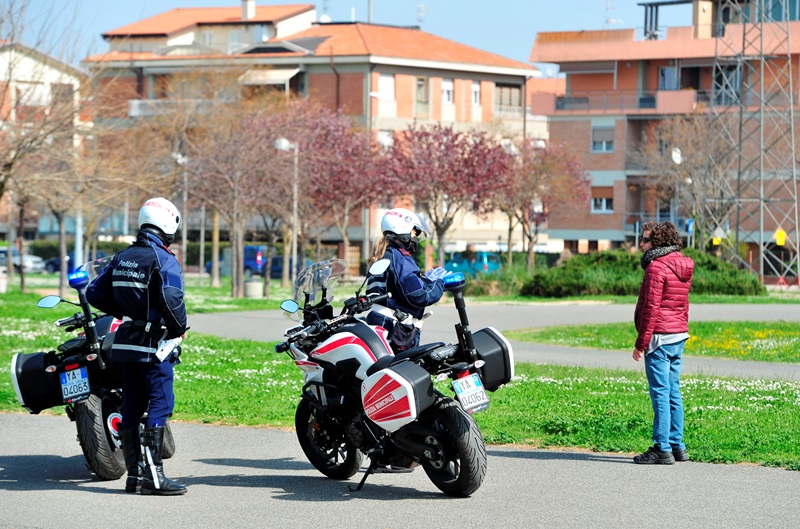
x=100, y=445
x=458, y=463
x=323, y=441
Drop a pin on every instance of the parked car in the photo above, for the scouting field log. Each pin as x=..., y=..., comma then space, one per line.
x=254, y=261
x=53, y=265
x=276, y=266
x=472, y=263
x=33, y=263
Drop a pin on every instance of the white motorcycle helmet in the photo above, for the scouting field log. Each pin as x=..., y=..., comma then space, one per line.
x=401, y=221
x=162, y=214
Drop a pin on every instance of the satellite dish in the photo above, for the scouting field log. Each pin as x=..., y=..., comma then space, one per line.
x=325, y=19
x=676, y=156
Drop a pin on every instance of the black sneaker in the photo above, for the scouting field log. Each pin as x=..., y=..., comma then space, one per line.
x=680, y=455
x=654, y=456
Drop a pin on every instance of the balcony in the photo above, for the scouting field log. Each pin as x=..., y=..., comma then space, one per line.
x=616, y=101
x=632, y=217
x=138, y=108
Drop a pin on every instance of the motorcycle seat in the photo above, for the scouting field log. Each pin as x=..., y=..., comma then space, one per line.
x=408, y=354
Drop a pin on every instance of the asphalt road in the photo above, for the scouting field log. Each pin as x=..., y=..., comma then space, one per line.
x=248, y=477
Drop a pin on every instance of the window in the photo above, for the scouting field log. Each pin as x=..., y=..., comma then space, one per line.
x=602, y=200
x=509, y=95
x=260, y=33
x=386, y=87
x=603, y=139
x=422, y=89
x=668, y=78
x=207, y=38
x=476, y=93
x=234, y=41
x=447, y=91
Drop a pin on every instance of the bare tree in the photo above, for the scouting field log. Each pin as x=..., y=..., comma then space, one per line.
x=38, y=96
x=676, y=155
x=543, y=179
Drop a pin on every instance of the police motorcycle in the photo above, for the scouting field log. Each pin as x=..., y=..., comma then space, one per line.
x=82, y=376
x=360, y=399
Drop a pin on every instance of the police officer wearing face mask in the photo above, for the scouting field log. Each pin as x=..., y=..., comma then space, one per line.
x=411, y=291
x=143, y=284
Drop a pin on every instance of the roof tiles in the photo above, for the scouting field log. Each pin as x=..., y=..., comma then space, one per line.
x=175, y=20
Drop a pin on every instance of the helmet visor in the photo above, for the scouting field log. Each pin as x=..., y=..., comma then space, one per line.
x=423, y=231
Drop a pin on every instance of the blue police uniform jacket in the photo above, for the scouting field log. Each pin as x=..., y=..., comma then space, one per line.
x=143, y=282
x=411, y=291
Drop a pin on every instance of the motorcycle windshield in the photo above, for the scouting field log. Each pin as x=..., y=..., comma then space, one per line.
x=96, y=267
x=312, y=279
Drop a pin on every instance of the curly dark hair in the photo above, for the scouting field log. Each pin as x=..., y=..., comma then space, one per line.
x=663, y=234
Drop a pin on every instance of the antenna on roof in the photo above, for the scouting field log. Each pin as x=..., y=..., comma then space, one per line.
x=420, y=14
x=609, y=19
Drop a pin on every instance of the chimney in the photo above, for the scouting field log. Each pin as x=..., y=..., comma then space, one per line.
x=248, y=9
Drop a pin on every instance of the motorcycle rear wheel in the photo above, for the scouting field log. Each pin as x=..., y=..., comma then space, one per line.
x=323, y=441
x=458, y=465
x=102, y=455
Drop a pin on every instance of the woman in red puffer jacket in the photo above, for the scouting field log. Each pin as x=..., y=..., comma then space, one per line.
x=662, y=324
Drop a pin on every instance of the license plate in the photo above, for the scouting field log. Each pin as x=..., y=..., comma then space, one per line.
x=75, y=385
x=471, y=393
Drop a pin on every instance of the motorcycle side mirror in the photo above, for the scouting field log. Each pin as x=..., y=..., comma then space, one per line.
x=290, y=306
x=379, y=267
x=48, y=302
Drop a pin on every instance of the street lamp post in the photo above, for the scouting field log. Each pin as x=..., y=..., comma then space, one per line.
x=181, y=159
x=283, y=144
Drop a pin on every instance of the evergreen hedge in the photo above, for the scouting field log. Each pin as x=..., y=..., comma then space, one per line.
x=618, y=272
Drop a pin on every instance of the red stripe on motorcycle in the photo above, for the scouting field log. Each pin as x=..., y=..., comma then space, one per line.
x=382, y=388
x=396, y=410
x=341, y=343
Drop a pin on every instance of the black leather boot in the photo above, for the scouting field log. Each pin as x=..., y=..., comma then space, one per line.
x=155, y=482
x=132, y=450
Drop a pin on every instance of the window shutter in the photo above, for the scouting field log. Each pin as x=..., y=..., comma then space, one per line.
x=603, y=134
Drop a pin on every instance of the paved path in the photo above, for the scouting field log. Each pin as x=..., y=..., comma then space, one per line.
x=259, y=478
x=270, y=325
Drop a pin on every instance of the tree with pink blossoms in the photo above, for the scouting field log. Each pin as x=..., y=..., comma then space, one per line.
x=448, y=173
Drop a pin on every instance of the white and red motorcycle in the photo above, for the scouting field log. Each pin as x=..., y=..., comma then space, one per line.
x=360, y=399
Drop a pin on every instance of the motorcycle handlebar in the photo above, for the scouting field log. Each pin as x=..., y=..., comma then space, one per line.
x=352, y=306
x=364, y=303
x=75, y=320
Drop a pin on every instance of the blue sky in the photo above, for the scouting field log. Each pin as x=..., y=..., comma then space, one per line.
x=505, y=27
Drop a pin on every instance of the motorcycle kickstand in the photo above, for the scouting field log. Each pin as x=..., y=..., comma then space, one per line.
x=373, y=464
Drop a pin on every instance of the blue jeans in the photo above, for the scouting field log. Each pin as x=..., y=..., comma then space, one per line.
x=663, y=368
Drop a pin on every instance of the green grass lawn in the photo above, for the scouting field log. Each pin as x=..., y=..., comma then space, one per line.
x=761, y=341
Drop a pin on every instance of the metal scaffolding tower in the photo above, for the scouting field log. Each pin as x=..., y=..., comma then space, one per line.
x=750, y=187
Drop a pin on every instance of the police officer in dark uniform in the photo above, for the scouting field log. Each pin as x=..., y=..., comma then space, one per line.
x=143, y=284
x=411, y=291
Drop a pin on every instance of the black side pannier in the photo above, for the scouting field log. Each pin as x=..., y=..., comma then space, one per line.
x=493, y=348
x=36, y=389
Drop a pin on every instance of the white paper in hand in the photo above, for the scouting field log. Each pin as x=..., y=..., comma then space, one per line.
x=165, y=347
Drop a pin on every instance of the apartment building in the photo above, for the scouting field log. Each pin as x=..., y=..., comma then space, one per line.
x=622, y=82
x=385, y=77
x=39, y=98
